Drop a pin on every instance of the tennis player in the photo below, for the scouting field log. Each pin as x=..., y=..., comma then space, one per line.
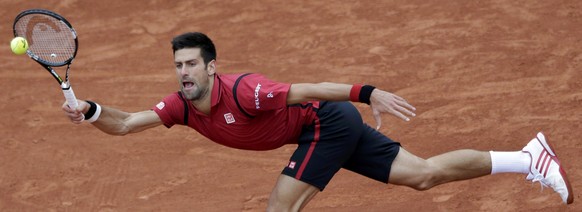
x=252, y=112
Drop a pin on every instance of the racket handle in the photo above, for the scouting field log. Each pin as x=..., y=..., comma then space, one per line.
x=69, y=95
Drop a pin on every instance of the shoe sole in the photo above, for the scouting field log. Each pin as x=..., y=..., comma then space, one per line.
x=542, y=140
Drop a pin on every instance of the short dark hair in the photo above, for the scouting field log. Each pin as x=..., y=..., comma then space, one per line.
x=195, y=40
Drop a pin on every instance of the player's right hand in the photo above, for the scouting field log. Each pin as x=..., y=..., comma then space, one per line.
x=76, y=114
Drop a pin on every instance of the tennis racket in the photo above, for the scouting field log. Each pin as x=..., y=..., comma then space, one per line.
x=52, y=42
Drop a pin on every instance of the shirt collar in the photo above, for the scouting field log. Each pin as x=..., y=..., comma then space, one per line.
x=216, y=91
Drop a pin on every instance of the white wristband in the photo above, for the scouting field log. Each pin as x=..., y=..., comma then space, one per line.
x=96, y=114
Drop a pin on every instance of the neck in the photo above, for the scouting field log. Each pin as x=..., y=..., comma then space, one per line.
x=203, y=104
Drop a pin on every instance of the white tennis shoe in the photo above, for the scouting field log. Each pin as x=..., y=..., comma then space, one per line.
x=546, y=169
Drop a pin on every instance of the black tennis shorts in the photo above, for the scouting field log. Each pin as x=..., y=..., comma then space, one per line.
x=338, y=138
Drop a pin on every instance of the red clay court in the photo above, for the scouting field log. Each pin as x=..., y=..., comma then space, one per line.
x=486, y=75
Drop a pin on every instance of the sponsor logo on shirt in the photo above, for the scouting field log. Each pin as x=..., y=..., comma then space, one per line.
x=229, y=118
x=291, y=164
x=270, y=95
x=161, y=105
x=257, y=89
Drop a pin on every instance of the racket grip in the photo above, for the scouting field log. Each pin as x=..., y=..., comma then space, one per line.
x=69, y=95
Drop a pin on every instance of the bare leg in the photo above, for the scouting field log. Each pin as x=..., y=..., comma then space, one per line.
x=412, y=171
x=290, y=194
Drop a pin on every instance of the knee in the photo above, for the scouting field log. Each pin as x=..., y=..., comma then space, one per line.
x=276, y=205
x=426, y=179
x=272, y=208
x=280, y=203
x=423, y=186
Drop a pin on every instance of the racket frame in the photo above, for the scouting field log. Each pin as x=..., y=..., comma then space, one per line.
x=64, y=84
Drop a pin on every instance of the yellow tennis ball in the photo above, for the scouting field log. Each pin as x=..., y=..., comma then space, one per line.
x=19, y=45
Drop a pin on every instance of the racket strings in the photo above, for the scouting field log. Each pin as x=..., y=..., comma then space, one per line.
x=48, y=38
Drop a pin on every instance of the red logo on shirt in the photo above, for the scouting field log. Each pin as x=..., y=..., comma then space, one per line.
x=229, y=118
x=161, y=105
x=257, y=103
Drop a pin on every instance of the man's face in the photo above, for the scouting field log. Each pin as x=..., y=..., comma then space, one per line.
x=193, y=74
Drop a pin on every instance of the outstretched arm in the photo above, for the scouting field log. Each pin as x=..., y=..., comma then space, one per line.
x=380, y=101
x=113, y=121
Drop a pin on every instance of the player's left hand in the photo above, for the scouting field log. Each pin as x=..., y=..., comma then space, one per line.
x=382, y=102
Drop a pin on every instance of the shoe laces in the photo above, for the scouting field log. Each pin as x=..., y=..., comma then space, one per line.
x=540, y=178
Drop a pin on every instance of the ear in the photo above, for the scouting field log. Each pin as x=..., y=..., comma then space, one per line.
x=211, y=67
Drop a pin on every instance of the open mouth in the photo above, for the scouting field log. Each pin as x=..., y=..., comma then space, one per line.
x=187, y=85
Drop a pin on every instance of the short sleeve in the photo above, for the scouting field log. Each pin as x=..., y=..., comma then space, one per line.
x=170, y=110
x=256, y=93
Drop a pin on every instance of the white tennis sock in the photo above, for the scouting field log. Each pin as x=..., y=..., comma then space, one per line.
x=510, y=162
